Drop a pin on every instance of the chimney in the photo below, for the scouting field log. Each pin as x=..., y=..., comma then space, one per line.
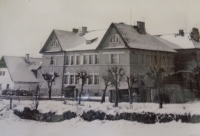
x=181, y=33
x=141, y=27
x=27, y=58
x=84, y=30
x=75, y=30
x=195, y=34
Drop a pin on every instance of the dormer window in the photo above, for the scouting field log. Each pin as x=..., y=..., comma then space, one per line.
x=114, y=39
x=55, y=43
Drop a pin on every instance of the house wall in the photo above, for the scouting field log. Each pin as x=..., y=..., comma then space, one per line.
x=46, y=67
x=186, y=59
x=24, y=85
x=6, y=79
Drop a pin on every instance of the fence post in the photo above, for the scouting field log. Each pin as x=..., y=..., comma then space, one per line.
x=11, y=103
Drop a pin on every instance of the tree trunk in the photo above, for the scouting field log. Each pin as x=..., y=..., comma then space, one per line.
x=116, y=97
x=130, y=95
x=49, y=92
x=104, y=94
x=159, y=96
x=80, y=94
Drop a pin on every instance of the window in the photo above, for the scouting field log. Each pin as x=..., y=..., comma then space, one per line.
x=155, y=60
x=72, y=60
x=52, y=61
x=90, y=74
x=96, y=79
x=3, y=73
x=96, y=59
x=76, y=79
x=114, y=58
x=90, y=79
x=148, y=59
x=67, y=60
x=71, y=79
x=142, y=59
x=85, y=59
x=90, y=59
x=134, y=58
x=7, y=86
x=78, y=60
x=96, y=76
x=164, y=61
x=114, y=39
x=66, y=79
x=0, y=87
x=55, y=43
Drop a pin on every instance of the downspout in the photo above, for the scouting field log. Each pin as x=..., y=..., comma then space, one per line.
x=63, y=72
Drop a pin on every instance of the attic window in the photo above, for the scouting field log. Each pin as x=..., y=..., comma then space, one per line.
x=55, y=43
x=114, y=39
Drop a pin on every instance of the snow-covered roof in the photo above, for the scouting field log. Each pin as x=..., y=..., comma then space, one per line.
x=95, y=35
x=140, y=41
x=17, y=68
x=168, y=43
x=184, y=42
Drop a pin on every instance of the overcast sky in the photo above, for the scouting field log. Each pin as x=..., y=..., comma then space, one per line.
x=26, y=24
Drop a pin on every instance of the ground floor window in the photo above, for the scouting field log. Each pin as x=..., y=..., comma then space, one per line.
x=71, y=79
x=90, y=79
x=96, y=79
x=66, y=79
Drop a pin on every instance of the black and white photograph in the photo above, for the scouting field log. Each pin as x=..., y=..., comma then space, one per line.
x=99, y=67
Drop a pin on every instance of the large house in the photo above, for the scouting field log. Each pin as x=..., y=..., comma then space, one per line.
x=19, y=72
x=68, y=52
x=131, y=47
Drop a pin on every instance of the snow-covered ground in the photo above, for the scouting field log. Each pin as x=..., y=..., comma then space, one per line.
x=59, y=107
x=11, y=125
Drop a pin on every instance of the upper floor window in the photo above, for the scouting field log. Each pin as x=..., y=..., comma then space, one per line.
x=72, y=60
x=55, y=43
x=134, y=58
x=78, y=60
x=53, y=61
x=142, y=59
x=67, y=60
x=85, y=59
x=96, y=59
x=114, y=58
x=2, y=73
x=90, y=59
x=114, y=39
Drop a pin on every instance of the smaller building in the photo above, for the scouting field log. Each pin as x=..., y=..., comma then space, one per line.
x=182, y=83
x=19, y=72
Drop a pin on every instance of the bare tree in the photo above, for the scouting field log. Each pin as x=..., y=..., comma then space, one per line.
x=50, y=78
x=131, y=80
x=83, y=76
x=157, y=72
x=37, y=95
x=116, y=74
x=106, y=78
